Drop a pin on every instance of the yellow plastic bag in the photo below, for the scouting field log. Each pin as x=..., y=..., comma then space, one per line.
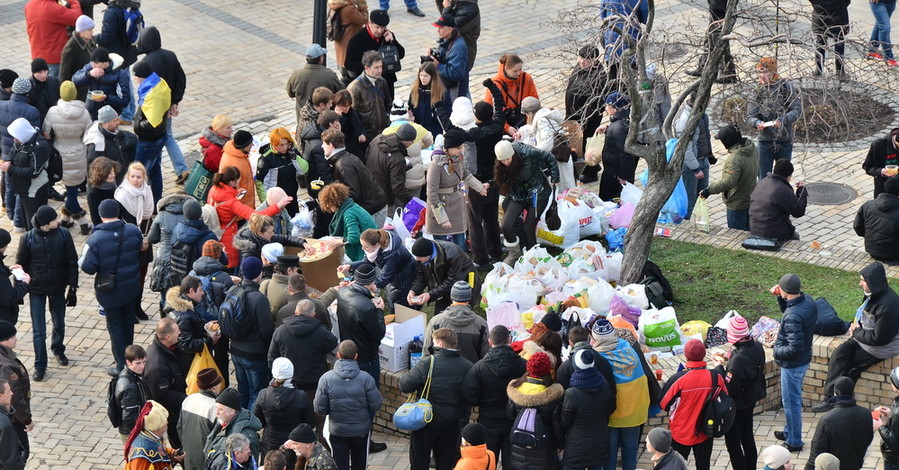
x=694, y=327
x=593, y=149
x=700, y=215
x=202, y=360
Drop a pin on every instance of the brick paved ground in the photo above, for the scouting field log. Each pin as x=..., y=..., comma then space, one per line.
x=238, y=55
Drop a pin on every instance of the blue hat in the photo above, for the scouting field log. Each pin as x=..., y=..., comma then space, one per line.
x=251, y=267
x=618, y=100
x=602, y=327
x=315, y=51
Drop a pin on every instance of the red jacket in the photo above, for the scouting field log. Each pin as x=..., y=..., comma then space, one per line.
x=684, y=396
x=46, y=22
x=230, y=211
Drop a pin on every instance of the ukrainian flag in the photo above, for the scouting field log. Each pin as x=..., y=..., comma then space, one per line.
x=154, y=98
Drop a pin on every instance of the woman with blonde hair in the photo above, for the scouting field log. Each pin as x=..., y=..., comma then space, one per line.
x=426, y=100
x=279, y=165
x=136, y=198
x=350, y=219
x=213, y=139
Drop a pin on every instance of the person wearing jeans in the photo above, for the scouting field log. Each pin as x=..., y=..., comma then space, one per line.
x=738, y=178
x=881, y=46
x=772, y=109
x=151, y=124
x=249, y=349
x=47, y=253
x=793, y=353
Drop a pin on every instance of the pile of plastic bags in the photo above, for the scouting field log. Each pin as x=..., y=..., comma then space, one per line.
x=583, y=214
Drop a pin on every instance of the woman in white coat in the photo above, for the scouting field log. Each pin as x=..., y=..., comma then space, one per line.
x=65, y=126
x=543, y=124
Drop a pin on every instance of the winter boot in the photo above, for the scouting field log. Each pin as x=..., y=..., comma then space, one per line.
x=514, y=252
x=66, y=218
x=81, y=219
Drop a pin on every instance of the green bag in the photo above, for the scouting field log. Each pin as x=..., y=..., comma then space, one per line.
x=199, y=183
x=660, y=328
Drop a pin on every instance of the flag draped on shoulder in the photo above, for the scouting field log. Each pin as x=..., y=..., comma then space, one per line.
x=154, y=98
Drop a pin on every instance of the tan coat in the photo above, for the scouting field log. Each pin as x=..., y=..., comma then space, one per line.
x=443, y=187
x=353, y=16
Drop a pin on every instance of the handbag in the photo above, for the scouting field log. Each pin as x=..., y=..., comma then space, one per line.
x=106, y=283
x=202, y=360
x=551, y=216
x=199, y=183
x=416, y=414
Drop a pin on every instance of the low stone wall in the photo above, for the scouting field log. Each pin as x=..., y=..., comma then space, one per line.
x=873, y=389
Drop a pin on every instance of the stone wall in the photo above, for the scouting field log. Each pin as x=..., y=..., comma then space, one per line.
x=873, y=389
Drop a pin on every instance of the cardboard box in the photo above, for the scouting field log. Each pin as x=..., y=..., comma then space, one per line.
x=394, y=349
x=320, y=274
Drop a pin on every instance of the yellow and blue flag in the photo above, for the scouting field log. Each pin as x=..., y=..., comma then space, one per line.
x=154, y=98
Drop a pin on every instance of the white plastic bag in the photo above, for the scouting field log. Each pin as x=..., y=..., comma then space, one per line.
x=599, y=297
x=634, y=295
x=631, y=194
x=724, y=322
x=398, y=226
x=611, y=266
x=302, y=223
x=568, y=233
x=494, y=283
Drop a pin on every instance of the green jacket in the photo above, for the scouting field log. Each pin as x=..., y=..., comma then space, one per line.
x=349, y=222
x=534, y=163
x=739, y=176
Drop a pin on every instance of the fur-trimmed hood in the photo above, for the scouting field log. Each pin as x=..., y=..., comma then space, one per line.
x=549, y=395
x=176, y=301
x=172, y=203
x=246, y=241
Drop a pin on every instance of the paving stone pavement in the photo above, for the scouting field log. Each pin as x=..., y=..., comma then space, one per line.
x=238, y=55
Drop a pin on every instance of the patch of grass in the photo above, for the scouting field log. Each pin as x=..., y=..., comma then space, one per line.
x=708, y=281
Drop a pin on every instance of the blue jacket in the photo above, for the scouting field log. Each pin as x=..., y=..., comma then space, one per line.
x=454, y=68
x=396, y=263
x=793, y=347
x=610, y=38
x=110, y=83
x=113, y=37
x=15, y=107
x=99, y=257
x=193, y=232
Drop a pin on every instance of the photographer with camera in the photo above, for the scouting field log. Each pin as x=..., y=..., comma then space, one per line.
x=451, y=57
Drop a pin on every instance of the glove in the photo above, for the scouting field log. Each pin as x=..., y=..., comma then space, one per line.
x=712, y=160
x=704, y=193
x=488, y=83
x=71, y=299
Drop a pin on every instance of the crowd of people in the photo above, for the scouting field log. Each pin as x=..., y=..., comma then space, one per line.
x=229, y=291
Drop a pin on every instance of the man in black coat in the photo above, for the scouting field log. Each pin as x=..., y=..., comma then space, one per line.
x=881, y=154
x=12, y=289
x=485, y=387
x=439, y=265
x=845, y=431
x=583, y=99
x=249, y=352
x=585, y=412
x=877, y=221
x=447, y=370
x=130, y=391
x=370, y=38
x=296, y=287
x=44, y=87
x=361, y=319
x=163, y=377
x=773, y=201
x=48, y=254
x=349, y=170
x=11, y=452
x=618, y=165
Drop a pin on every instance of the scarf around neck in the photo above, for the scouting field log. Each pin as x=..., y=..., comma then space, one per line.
x=137, y=201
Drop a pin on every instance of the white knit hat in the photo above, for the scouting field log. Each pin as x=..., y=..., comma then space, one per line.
x=282, y=369
x=503, y=150
x=21, y=130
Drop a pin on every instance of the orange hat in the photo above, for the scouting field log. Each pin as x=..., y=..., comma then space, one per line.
x=212, y=249
x=769, y=64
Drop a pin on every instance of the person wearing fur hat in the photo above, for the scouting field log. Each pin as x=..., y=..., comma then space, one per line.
x=536, y=390
x=520, y=171
x=845, y=431
x=793, y=353
x=26, y=169
x=303, y=443
x=776, y=458
x=105, y=73
x=773, y=201
x=77, y=51
x=684, y=397
x=44, y=87
x=739, y=177
x=279, y=166
x=48, y=254
x=281, y=407
x=618, y=165
x=231, y=418
x=773, y=109
x=470, y=328
x=198, y=417
x=744, y=374
x=658, y=443
x=439, y=265
x=67, y=122
x=12, y=370
x=585, y=415
x=146, y=447
x=877, y=221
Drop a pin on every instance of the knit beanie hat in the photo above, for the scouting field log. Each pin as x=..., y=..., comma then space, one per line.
x=461, y=292
x=729, y=136
x=100, y=54
x=603, y=330
x=242, y=138
x=530, y=104
x=192, y=209
x=212, y=249
x=483, y=111
x=271, y=252
x=282, y=369
x=503, y=150
x=775, y=456
x=5, y=238
x=229, y=396
x=694, y=350
x=365, y=274
x=539, y=365
x=407, y=133
x=453, y=138
x=553, y=321
x=44, y=215
x=783, y=167
x=39, y=65
x=660, y=439
x=84, y=23
x=141, y=69
x=7, y=77
x=891, y=186
x=422, y=248
x=67, y=91
x=474, y=434
x=790, y=284
x=21, y=86
x=843, y=386
x=21, y=129
x=109, y=209
x=588, y=52
x=398, y=110
x=827, y=461
x=7, y=329
x=302, y=433
x=106, y=114
x=618, y=100
x=737, y=329
x=251, y=268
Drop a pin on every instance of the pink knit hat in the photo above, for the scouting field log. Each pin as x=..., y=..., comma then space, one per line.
x=737, y=329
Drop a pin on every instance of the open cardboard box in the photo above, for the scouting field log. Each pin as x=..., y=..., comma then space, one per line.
x=394, y=349
x=320, y=274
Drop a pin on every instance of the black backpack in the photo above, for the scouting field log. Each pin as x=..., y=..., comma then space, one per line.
x=391, y=55
x=113, y=409
x=652, y=270
x=232, y=317
x=655, y=293
x=528, y=430
x=54, y=166
x=181, y=260
x=719, y=411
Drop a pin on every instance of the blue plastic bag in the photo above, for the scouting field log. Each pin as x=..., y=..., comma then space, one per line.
x=615, y=238
x=675, y=209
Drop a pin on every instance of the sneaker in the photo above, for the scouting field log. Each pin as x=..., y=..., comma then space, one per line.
x=892, y=63
x=793, y=448
x=874, y=56
x=38, y=375
x=62, y=359
x=416, y=11
x=375, y=447
x=780, y=436
x=822, y=407
x=112, y=371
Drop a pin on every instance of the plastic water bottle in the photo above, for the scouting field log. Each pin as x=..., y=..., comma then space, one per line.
x=415, y=349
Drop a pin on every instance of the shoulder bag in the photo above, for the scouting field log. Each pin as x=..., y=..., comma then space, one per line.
x=106, y=282
x=416, y=414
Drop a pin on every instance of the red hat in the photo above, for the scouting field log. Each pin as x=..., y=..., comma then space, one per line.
x=539, y=365
x=694, y=350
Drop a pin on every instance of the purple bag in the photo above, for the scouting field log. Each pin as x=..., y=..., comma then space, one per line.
x=412, y=213
x=629, y=314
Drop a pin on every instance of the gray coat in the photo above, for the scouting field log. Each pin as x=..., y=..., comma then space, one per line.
x=350, y=397
x=169, y=212
x=781, y=100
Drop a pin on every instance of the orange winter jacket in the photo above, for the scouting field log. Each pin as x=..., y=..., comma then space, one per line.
x=476, y=458
x=513, y=90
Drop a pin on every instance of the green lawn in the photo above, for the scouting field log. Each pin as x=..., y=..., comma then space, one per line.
x=708, y=281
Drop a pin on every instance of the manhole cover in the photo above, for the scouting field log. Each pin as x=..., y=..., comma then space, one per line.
x=829, y=194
